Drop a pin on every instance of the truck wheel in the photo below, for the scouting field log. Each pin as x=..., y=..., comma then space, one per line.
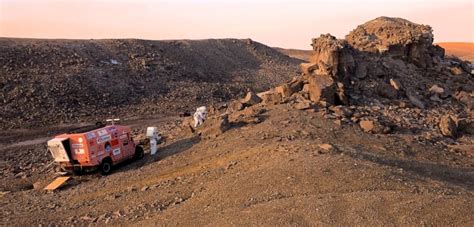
x=77, y=171
x=105, y=166
x=139, y=153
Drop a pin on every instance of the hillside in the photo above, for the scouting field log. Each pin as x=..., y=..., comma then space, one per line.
x=45, y=82
x=294, y=53
x=464, y=51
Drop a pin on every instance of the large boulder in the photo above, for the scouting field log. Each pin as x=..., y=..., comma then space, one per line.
x=321, y=88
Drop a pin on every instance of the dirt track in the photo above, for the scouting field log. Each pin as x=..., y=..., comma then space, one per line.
x=265, y=174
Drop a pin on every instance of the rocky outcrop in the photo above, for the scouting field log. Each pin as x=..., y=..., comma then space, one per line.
x=396, y=37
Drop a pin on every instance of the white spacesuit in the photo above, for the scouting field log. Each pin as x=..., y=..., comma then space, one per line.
x=200, y=116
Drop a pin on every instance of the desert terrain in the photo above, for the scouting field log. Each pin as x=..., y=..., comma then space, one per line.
x=373, y=129
x=462, y=50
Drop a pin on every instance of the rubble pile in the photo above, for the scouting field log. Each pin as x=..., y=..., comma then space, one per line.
x=385, y=77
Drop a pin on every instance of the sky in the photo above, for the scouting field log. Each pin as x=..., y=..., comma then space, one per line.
x=278, y=23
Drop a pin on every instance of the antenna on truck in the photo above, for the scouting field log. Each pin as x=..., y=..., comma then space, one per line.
x=112, y=120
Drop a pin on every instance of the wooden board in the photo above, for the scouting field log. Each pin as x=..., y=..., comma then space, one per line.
x=56, y=183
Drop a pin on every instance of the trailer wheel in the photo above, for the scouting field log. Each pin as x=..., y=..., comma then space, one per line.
x=139, y=152
x=106, y=166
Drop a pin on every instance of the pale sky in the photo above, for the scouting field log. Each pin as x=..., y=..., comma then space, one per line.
x=281, y=23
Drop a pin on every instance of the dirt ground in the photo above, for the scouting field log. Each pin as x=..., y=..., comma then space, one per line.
x=271, y=173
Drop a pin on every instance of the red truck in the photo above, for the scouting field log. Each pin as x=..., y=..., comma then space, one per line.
x=99, y=148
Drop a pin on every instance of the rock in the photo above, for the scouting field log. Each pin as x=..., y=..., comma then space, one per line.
x=284, y=90
x=305, y=88
x=397, y=37
x=235, y=106
x=395, y=84
x=37, y=185
x=333, y=58
x=373, y=126
x=341, y=111
x=387, y=91
x=251, y=99
x=215, y=126
x=448, y=126
x=187, y=124
x=302, y=105
x=367, y=126
x=435, y=89
x=144, y=188
x=456, y=70
x=270, y=97
x=416, y=102
x=308, y=68
x=326, y=146
x=465, y=98
x=296, y=85
x=321, y=88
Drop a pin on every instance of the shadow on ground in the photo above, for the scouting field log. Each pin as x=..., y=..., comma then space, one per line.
x=459, y=176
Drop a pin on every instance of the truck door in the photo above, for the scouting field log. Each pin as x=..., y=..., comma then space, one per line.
x=117, y=152
x=126, y=145
x=60, y=149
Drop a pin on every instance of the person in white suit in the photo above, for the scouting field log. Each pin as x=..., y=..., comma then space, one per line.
x=200, y=116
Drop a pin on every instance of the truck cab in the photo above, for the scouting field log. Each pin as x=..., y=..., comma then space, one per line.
x=99, y=148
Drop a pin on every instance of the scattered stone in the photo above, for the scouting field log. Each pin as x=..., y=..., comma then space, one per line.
x=341, y=111
x=367, y=126
x=435, y=89
x=395, y=84
x=373, y=126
